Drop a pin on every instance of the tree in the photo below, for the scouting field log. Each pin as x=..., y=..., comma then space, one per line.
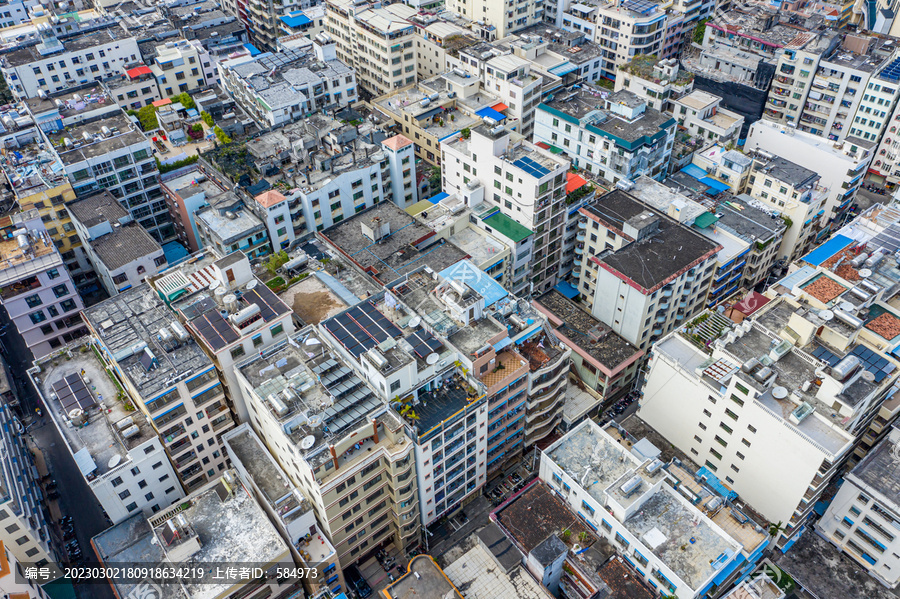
x=434, y=176
x=197, y=127
x=276, y=261
x=700, y=31
x=466, y=133
x=207, y=118
x=147, y=117
x=185, y=99
x=221, y=136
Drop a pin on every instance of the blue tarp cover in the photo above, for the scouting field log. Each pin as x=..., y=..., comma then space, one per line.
x=695, y=171
x=296, y=19
x=490, y=113
x=827, y=250
x=717, y=185
x=254, y=51
x=469, y=274
x=567, y=289
x=437, y=198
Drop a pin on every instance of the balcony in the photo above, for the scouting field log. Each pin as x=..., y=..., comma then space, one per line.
x=184, y=460
x=580, y=238
x=579, y=249
x=582, y=224
x=222, y=422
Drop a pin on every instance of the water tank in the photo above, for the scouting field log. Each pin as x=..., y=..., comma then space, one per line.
x=164, y=335
x=845, y=368
x=378, y=358
x=859, y=260
x=87, y=136
x=219, y=295
x=860, y=293
x=59, y=103
x=849, y=319
x=42, y=94
x=8, y=122
x=245, y=315
x=179, y=331
x=425, y=102
x=105, y=131
x=131, y=431
x=22, y=239
x=124, y=423
x=67, y=142
x=633, y=484
x=230, y=303
x=876, y=257
x=76, y=97
x=278, y=405
x=76, y=416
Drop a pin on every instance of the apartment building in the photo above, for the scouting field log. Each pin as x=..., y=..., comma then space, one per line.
x=702, y=115
x=24, y=529
x=37, y=292
x=434, y=42
x=841, y=165
x=334, y=170
x=227, y=225
x=683, y=546
x=523, y=181
x=378, y=42
x=120, y=251
x=220, y=522
x=625, y=30
x=178, y=67
x=121, y=456
x=112, y=153
x=641, y=290
x=188, y=189
x=795, y=72
x=605, y=362
x=169, y=378
x=861, y=519
x=303, y=81
x=135, y=88
x=736, y=397
x=348, y=453
x=288, y=510
x=53, y=65
x=236, y=317
x=655, y=81
x=796, y=194
x=308, y=22
x=500, y=19
x=12, y=578
x=617, y=139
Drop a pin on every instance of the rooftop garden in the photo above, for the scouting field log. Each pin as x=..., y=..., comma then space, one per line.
x=643, y=65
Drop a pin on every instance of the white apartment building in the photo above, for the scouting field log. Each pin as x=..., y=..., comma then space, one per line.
x=500, y=19
x=656, y=81
x=120, y=455
x=238, y=316
x=37, y=292
x=178, y=67
x=112, y=153
x=641, y=272
x=795, y=70
x=521, y=180
x=24, y=530
x=795, y=194
x=169, y=378
x=120, y=251
x=674, y=545
x=135, y=88
x=53, y=65
x=618, y=139
x=378, y=42
x=435, y=42
x=303, y=81
x=759, y=406
x=841, y=165
x=701, y=114
x=864, y=515
x=625, y=30
x=346, y=451
x=12, y=582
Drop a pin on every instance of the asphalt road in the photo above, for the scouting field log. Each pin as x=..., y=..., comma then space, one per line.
x=76, y=498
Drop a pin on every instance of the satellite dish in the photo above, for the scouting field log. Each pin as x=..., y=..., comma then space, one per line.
x=826, y=315
x=114, y=461
x=307, y=442
x=847, y=307
x=214, y=285
x=779, y=392
x=415, y=321
x=865, y=273
x=431, y=359
x=251, y=284
x=868, y=376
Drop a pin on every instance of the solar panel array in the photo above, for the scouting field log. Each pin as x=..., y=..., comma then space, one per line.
x=423, y=343
x=644, y=7
x=888, y=239
x=871, y=361
x=215, y=329
x=269, y=304
x=531, y=167
x=73, y=393
x=353, y=398
x=361, y=328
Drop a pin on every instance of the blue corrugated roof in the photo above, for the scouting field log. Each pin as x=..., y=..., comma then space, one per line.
x=695, y=171
x=563, y=69
x=490, y=113
x=567, y=289
x=254, y=51
x=437, y=198
x=717, y=185
x=466, y=272
x=797, y=277
x=296, y=19
x=827, y=250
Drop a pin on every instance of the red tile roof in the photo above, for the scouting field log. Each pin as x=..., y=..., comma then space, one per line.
x=138, y=71
x=270, y=198
x=573, y=182
x=751, y=303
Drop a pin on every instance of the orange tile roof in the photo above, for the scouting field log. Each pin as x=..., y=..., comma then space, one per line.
x=397, y=142
x=270, y=198
x=162, y=102
x=573, y=182
x=887, y=325
x=824, y=289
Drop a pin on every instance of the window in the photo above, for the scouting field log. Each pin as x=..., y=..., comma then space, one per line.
x=131, y=506
x=586, y=507
x=731, y=414
x=237, y=352
x=737, y=399
x=277, y=330
x=33, y=301
x=116, y=481
x=125, y=494
x=726, y=428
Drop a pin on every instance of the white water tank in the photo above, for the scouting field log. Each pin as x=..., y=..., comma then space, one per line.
x=77, y=416
x=230, y=303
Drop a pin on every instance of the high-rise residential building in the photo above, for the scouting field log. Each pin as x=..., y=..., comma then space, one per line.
x=169, y=379
x=230, y=313
x=765, y=405
x=878, y=101
x=24, y=529
x=35, y=288
x=683, y=539
x=277, y=89
x=11, y=579
x=526, y=183
x=120, y=251
x=347, y=452
x=617, y=139
x=862, y=518
x=840, y=165
x=377, y=41
x=178, y=67
x=499, y=19
x=640, y=271
x=110, y=152
x=120, y=455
